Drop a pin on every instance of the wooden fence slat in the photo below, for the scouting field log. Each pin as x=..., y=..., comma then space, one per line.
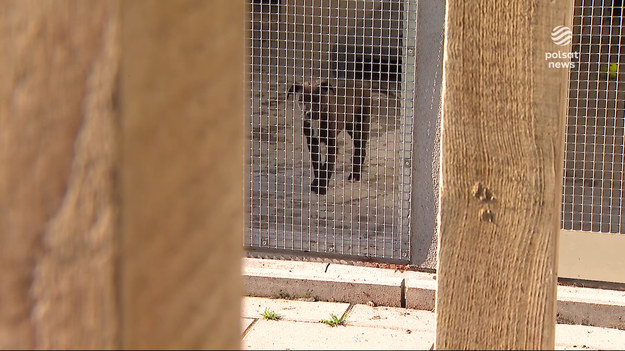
x=121, y=173
x=502, y=142
x=58, y=157
x=183, y=104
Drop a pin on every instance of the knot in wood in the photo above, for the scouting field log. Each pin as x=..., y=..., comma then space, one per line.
x=486, y=215
x=481, y=192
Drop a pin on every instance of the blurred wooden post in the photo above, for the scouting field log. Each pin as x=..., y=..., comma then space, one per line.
x=183, y=105
x=502, y=146
x=59, y=211
x=121, y=173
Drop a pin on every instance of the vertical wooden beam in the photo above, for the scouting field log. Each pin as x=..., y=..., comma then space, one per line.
x=183, y=106
x=93, y=255
x=58, y=160
x=502, y=142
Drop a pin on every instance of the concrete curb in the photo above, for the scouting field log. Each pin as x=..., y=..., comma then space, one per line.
x=416, y=290
x=292, y=279
x=595, y=307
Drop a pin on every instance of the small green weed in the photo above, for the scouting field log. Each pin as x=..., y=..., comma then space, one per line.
x=334, y=321
x=270, y=315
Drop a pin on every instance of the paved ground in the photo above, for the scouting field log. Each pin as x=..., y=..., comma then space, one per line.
x=369, y=327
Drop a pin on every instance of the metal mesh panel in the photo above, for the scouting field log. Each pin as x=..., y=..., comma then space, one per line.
x=593, y=174
x=331, y=122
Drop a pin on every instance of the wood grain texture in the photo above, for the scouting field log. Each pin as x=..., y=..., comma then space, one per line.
x=183, y=84
x=502, y=142
x=58, y=158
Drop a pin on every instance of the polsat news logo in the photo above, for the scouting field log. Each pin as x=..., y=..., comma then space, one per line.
x=561, y=36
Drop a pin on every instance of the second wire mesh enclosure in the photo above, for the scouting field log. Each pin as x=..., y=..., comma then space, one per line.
x=594, y=159
x=331, y=123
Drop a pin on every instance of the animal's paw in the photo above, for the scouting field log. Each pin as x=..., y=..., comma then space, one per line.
x=318, y=187
x=355, y=177
x=314, y=188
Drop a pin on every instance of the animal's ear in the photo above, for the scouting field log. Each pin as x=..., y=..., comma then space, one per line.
x=295, y=88
x=324, y=87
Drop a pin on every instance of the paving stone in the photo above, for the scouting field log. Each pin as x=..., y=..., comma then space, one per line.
x=269, y=335
x=377, y=328
x=245, y=323
x=391, y=317
x=576, y=337
x=291, y=310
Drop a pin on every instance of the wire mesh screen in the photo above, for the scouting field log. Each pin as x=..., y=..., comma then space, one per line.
x=331, y=120
x=593, y=174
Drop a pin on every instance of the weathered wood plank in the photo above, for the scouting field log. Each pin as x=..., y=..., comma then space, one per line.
x=71, y=274
x=502, y=142
x=58, y=158
x=183, y=84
